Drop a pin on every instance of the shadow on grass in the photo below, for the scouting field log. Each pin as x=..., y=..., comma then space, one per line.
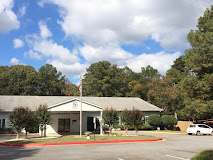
x=8, y=153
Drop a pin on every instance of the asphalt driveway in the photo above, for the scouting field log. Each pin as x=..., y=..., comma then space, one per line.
x=175, y=147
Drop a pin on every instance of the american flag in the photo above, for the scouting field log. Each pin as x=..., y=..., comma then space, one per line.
x=79, y=86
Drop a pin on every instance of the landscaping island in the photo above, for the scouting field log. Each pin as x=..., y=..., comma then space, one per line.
x=69, y=140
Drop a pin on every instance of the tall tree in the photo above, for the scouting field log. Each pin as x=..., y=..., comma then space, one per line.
x=164, y=94
x=50, y=81
x=104, y=80
x=149, y=73
x=18, y=80
x=197, y=87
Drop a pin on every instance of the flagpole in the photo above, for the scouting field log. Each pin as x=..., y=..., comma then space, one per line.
x=81, y=104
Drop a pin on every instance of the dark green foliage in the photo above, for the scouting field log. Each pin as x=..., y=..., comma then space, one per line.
x=146, y=126
x=17, y=80
x=197, y=87
x=20, y=118
x=136, y=118
x=154, y=120
x=50, y=81
x=104, y=80
x=110, y=117
x=204, y=155
x=126, y=118
x=24, y=80
x=43, y=116
x=132, y=119
x=168, y=121
x=149, y=73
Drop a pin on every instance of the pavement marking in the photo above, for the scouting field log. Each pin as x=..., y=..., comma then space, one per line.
x=176, y=157
x=120, y=159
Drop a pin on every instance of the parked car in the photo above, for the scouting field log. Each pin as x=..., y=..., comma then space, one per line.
x=199, y=129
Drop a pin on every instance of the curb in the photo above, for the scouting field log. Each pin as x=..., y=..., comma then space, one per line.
x=155, y=132
x=74, y=143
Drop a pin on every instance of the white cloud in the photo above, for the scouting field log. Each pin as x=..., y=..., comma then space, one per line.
x=44, y=31
x=17, y=43
x=98, y=22
x=8, y=18
x=69, y=69
x=22, y=11
x=14, y=61
x=112, y=53
x=161, y=61
x=32, y=55
x=103, y=26
x=65, y=60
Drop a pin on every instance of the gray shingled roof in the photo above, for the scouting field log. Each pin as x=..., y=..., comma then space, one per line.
x=7, y=103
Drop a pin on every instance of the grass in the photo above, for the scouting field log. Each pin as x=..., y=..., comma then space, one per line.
x=204, y=155
x=161, y=131
x=65, y=139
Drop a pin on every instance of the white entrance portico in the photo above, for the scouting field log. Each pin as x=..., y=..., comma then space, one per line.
x=65, y=116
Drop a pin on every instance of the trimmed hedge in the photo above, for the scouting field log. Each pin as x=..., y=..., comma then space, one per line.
x=204, y=155
x=146, y=127
x=168, y=121
x=154, y=120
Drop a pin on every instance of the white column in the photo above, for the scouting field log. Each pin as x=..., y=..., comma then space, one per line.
x=101, y=125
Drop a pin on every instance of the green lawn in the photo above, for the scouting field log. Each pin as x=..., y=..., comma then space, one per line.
x=65, y=139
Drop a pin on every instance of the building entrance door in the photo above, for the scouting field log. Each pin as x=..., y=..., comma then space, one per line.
x=64, y=125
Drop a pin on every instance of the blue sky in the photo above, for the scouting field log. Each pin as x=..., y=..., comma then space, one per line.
x=72, y=34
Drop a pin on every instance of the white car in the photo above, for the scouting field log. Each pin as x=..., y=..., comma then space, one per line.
x=199, y=129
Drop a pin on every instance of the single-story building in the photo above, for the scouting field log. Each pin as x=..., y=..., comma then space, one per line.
x=65, y=110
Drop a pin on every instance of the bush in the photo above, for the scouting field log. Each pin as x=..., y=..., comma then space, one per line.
x=168, y=121
x=6, y=131
x=204, y=155
x=146, y=127
x=105, y=127
x=154, y=120
x=119, y=126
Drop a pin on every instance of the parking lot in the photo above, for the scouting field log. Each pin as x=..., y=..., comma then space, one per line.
x=173, y=147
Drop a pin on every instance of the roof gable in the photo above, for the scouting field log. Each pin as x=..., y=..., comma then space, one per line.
x=74, y=105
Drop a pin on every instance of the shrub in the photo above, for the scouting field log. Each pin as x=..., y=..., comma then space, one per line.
x=168, y=121
x=119, y=126
x=110, y=117
x=146, y=127
x=105, y=127
x=204, y=155
x=154, y=120
x=6, y=131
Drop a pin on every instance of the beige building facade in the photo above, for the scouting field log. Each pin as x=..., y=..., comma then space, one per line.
x=65, y=110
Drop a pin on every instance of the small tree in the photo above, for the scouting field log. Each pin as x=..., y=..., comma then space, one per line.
x=20, y=118
x=168, y=121
x=110, y=117
x=154, y=120
x=136, y=119
x=43, y=116
x=126, y=118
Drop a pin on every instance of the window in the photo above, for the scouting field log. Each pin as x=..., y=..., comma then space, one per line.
x=0, y=123
x=191, y=126
x=3, y=123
